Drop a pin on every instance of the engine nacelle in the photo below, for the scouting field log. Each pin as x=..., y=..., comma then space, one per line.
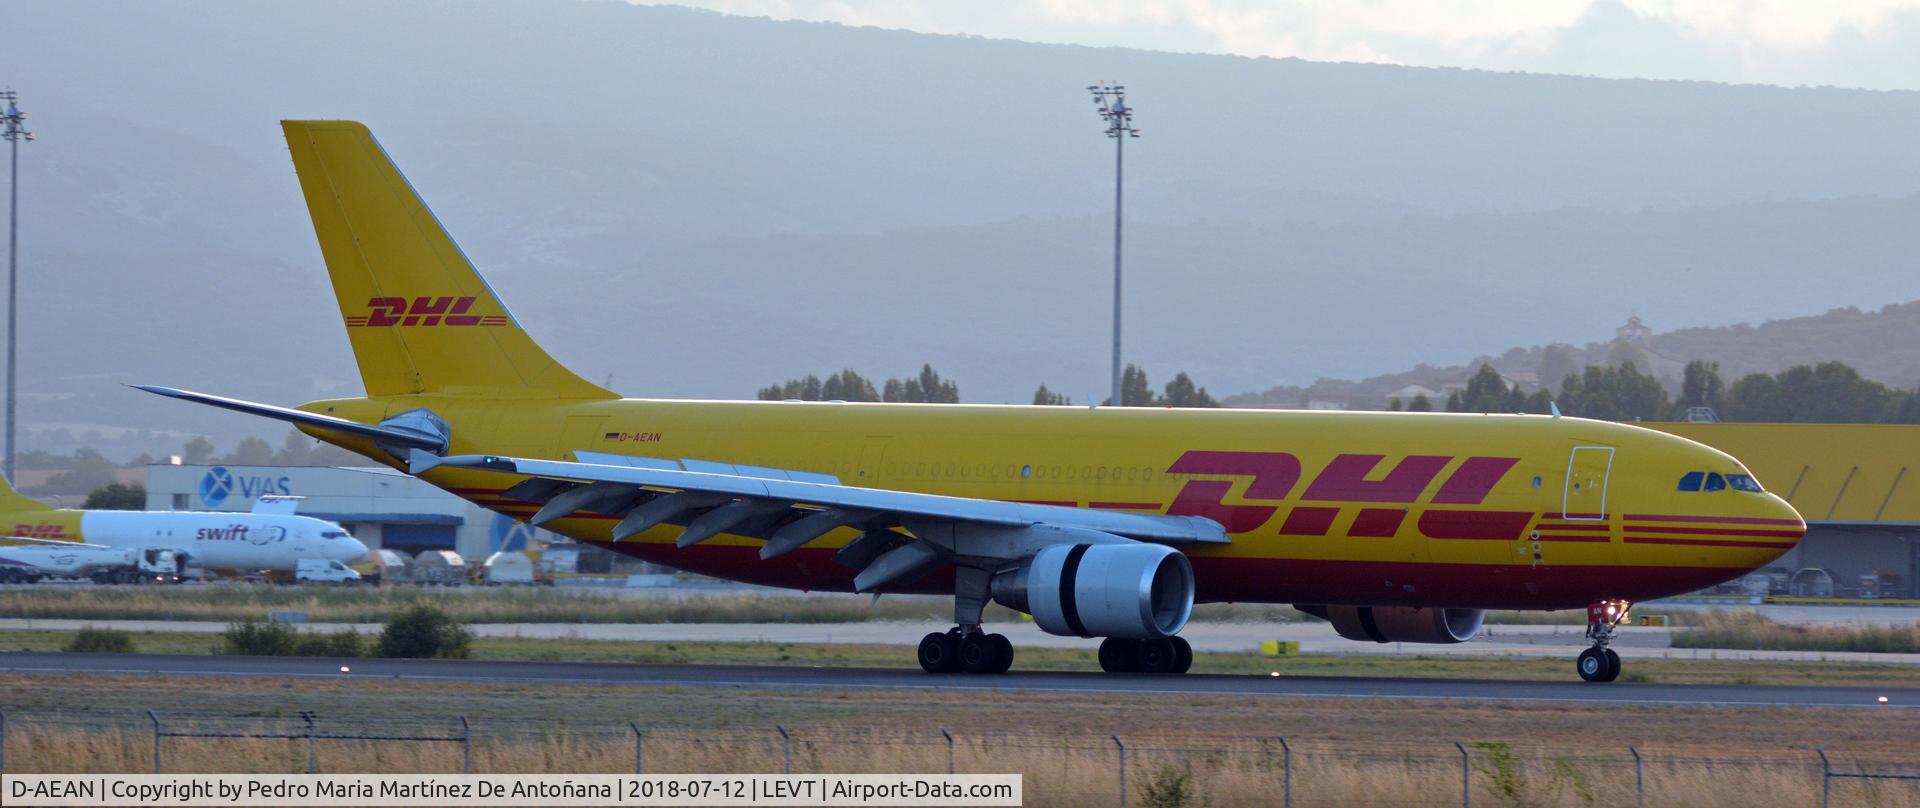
x=1401, y=623
x=1131, y=590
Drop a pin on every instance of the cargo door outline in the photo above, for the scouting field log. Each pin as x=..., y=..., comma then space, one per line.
x=1578, y=488
x=873, y=452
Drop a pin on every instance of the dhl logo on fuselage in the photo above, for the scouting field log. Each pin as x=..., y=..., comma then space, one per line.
x=1345, y=480
x=423, y=311
x=43, y=530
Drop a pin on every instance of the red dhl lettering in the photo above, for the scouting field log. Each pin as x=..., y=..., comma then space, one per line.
x=1347, y=478
x=42, y=531
x=386, y=312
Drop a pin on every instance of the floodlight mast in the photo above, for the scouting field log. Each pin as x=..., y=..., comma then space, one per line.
x=1111, y=98
x=12, y=128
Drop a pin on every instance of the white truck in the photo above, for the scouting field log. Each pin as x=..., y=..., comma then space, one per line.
x=101, y=564
x=324, y=571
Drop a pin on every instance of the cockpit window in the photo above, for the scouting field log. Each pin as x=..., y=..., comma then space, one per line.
x=1715, y=482
x=1691, y=480
x=333, y=534
x=1743, y=482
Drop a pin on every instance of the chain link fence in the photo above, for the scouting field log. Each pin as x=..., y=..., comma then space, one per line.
x=1090, y=768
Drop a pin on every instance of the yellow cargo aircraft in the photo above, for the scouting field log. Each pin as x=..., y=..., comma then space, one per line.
x=1099, y=522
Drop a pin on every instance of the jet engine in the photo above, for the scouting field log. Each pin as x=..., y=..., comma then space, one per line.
x=1401, y=623
x=1130, y=590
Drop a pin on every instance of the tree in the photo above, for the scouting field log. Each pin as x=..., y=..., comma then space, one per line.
x=1557, y=361
x=1395, y=406
x=1700, y=386
x=198, y=451
x=1486, y=392
x=803, y=389
x=1046, y=397
x=117, y=497
x=1134, y=390
x=1420, y=403
x=927, y=388
x=1619, y=393
x=252, y=451
x=848, y=386
x=1830, y=392
x=89, y=471
x=1181, y=392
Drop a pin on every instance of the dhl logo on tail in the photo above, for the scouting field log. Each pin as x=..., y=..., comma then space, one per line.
x=423, y=311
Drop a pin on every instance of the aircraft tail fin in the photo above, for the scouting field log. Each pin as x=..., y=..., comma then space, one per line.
x=420, y=318
x=12, y=501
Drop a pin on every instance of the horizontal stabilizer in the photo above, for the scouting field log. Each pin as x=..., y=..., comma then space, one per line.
x=327, y=422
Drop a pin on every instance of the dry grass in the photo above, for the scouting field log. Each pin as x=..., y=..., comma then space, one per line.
x=1058, y=770
x=1345, y=752
x=1745, y=629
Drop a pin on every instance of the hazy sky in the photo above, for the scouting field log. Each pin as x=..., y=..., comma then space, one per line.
x=1854, y=43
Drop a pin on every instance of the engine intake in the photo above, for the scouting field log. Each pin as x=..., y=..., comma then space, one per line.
x=1401, y=623
x=1132, y=590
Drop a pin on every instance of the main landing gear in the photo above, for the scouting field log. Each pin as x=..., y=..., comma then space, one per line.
x=1163, y=655
x=965, y=650
x=1600, y=663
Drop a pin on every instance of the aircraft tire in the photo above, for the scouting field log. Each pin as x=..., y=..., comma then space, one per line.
x=1003, y=652
x=1119, y=655
x=1182, y=655
x=1613, y=666
x=979, y=654
x=939, y=653
x=1156, y=656
x=1592, y=665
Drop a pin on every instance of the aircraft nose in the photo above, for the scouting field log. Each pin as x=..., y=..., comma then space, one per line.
x=1777, y=529
x=350, y=550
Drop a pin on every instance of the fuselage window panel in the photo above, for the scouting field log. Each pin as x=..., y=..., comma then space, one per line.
x=1691, y=480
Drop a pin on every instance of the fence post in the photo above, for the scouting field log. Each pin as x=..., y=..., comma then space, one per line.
x=787, y=740
x=1466, y=777
x=313, y=761
x=466, y=746
x=156, y=741
x=639, y=759
x=1639, y=783
x=951, y=769
x=1826, y=776
x=1123, y=768
x=1286, y=773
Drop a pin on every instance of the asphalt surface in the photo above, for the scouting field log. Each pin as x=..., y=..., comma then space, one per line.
x=790, y=678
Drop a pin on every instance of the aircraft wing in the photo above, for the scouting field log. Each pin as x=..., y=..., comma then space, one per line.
x=789, y=509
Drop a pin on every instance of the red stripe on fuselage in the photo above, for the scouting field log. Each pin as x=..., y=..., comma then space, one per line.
x=1723, y=520
x=1719, y=531
x=1784, y=545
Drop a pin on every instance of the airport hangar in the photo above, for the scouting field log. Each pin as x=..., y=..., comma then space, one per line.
x=1849, y=481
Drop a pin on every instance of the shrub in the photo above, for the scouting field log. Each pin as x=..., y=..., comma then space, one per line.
x=342, y=643
x=92, y=640
x=424, y=632
x=254, y=637
x=1171, y=787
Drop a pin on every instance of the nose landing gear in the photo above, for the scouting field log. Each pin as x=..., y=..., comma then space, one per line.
x=1600, y=663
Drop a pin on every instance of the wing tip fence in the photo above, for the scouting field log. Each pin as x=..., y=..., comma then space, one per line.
x=310, y=730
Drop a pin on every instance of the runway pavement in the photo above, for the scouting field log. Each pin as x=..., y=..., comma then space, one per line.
x=792, y=678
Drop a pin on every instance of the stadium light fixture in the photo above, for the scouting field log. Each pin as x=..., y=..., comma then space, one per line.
x=1111, y=99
